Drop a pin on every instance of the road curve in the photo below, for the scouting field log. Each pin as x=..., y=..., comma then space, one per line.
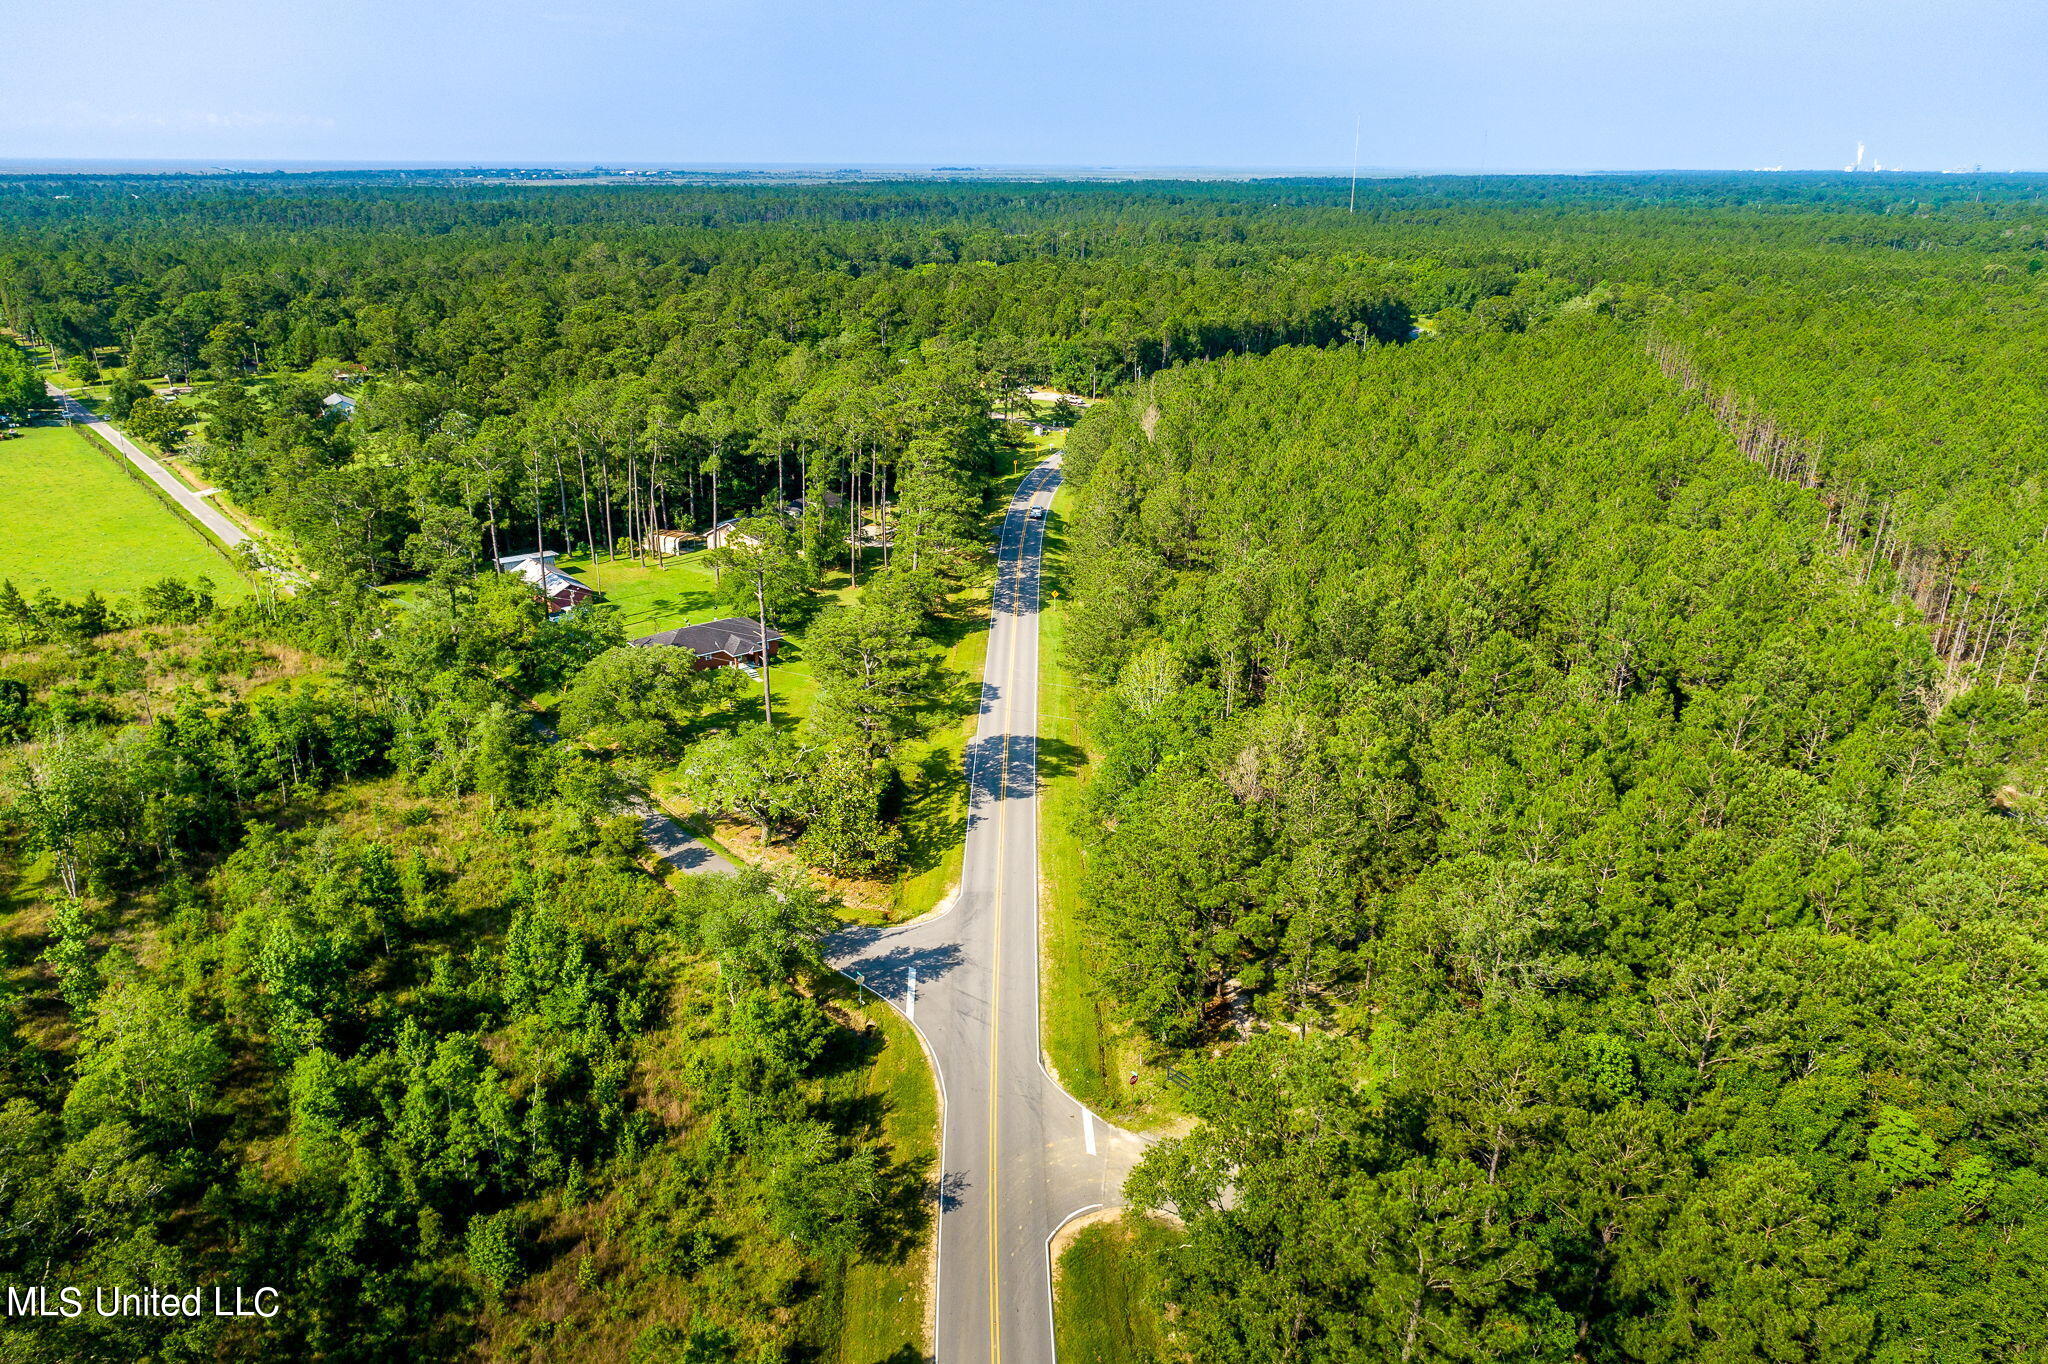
x=1019, y=1156
x=78, y=414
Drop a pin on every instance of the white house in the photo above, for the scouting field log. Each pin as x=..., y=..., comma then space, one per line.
x=563, y=592
x=727, y=532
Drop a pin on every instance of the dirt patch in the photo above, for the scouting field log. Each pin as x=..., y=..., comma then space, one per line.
x=858, y=893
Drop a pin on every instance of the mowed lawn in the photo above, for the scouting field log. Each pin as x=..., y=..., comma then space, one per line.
x=681, y=591
x=1108, y=1294
x=78, y=523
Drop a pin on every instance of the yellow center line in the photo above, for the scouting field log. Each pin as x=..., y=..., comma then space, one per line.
x=995, y=1309
x=995, y=1302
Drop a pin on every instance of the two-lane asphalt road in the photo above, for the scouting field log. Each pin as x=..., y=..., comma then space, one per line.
x=1019, y=1155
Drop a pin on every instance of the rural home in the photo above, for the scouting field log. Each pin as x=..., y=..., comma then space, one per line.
x=727, y=532
x=339, y=405
x=563, y=593
x=719, y=643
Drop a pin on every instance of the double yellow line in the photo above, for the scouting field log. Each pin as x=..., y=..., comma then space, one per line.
x=995, y=1301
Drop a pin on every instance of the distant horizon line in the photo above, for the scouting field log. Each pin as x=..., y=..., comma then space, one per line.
x=73, y=165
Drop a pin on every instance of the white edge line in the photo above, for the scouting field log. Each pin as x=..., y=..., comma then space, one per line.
x=946, y=1108
x=1088, y=1115
x=932, y=1057
x=1037, y=863
x=1051, y=1320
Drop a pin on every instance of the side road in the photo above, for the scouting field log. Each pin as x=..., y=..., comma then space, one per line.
x=202, y=511
x=674, y=844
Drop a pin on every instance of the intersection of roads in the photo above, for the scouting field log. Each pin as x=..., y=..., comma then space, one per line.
x=1019, y=1155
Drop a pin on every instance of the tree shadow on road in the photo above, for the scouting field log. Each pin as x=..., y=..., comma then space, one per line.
x=887, y=972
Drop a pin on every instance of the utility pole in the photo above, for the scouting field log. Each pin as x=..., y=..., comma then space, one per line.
x=761, y=600
x=1357, y=127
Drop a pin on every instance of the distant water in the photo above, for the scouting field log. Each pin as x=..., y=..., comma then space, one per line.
x=628, y=170
x=87, y=166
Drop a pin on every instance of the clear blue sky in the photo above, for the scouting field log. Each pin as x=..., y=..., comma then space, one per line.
x=1507, y=84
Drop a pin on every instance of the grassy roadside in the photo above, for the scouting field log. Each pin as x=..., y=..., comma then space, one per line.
x=170, y=504
x=935, y=803
x=1074, y=1026
x=934, y=799
x=94, y=396
x=934, y=812
x=884, y=1303
x=1091, y=1053
x=1107, y=1295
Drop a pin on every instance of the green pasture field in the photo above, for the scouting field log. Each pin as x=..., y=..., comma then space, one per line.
x=78, y=522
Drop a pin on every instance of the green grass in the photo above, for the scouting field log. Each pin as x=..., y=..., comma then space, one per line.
x=1087, y=1047
x=1076, y=1031
x=77, y=521
x=94, y=397
x=1107, y=1295
x=883, y=1303
x=684, y=591
x=933, y=815
x=649, y=598
x=934, y=819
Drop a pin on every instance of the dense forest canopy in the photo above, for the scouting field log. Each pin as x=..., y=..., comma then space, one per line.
x=1645, y=906
x=1563, y=656
x=743, y=327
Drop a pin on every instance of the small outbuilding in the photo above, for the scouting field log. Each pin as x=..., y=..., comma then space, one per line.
x=672, y=541
x=728, y=532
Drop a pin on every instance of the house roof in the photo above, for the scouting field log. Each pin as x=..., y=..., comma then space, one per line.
x=729, y=530
x=539, y=569
x=734, y=636
x=555, y=582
